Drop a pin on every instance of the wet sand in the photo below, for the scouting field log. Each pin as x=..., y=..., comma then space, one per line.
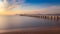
x=43, y=30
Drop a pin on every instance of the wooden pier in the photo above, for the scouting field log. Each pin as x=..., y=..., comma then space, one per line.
x=46, y=17
x=52, y=17
x=49, y=17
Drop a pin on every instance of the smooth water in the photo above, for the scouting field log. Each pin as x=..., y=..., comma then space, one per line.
x=13, y=22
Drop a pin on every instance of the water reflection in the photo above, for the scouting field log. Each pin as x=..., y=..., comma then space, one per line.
x=11, y=22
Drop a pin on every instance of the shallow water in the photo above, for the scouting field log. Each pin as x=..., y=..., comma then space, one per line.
x=13, y=22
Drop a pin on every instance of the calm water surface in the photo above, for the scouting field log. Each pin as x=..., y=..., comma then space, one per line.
x=13, y=22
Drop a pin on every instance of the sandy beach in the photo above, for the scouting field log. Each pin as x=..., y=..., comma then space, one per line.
x=49, y=30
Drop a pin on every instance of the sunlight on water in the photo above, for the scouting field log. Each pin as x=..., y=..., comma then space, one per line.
x=3, y=22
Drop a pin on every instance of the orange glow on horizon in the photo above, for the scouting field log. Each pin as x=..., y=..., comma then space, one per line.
x=7, y=13
x=11, y=12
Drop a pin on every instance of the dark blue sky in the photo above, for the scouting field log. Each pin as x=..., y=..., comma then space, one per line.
x=43, y=1
x=40, y=1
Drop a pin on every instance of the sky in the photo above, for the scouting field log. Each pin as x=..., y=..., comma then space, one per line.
x=35, y=6
x=41, y=6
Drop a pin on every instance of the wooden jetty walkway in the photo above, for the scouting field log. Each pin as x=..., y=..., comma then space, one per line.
x=45, y=16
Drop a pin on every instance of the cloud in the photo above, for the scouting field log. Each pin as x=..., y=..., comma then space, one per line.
x=51, y=10
x=47, y=10
x=38, y=9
